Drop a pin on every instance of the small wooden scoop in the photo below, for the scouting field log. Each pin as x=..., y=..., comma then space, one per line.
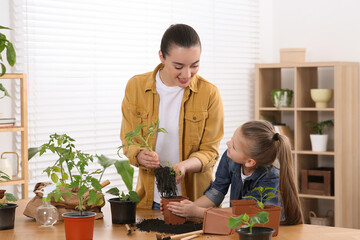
x=179, y=236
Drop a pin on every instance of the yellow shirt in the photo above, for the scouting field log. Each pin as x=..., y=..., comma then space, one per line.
x=201, y=127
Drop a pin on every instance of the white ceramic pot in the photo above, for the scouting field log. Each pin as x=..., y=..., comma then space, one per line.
x=321, y=97
x=319, y=142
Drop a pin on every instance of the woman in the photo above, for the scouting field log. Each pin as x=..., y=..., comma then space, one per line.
x=188, y=107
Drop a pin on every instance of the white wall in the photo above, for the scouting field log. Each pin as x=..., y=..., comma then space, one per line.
x=328, y=29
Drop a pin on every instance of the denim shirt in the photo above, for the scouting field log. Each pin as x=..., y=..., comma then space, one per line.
x=229, y=173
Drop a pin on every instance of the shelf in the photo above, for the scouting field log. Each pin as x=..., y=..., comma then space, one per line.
x=12, y=182
x=22, y=127
x=308, y=152
x=343, y=154
x=11, y=129
x=316, y=196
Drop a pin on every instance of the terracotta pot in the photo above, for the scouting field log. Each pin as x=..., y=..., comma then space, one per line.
x=250, y=208
x=169, y=217
x=2, y=193
x=242, y=206
x=7, y=216
x=79, y=227
x=216, y=219
x=122, y=212
x=258, y=233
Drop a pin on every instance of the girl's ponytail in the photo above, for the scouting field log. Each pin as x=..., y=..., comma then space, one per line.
x=288, y=192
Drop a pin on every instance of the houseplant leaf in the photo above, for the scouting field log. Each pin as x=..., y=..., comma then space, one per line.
x=126, y=172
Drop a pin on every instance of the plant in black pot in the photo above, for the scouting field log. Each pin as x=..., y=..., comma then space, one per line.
x=247, y=231
x=75, y=184
x=7, y=210
x=123, y=207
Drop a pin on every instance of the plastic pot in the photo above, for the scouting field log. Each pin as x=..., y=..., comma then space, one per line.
x=169, y=217
x=258, y=233
x=7, y=216
x=79, y=227
x=122, y=212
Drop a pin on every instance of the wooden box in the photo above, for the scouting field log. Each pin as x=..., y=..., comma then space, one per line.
x=318, y=181
x=292, y=55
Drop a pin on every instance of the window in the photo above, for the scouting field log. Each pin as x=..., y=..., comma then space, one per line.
x=80, y=54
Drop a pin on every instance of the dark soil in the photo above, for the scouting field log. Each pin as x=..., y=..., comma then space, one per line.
x=157, y=225
x=165, y=181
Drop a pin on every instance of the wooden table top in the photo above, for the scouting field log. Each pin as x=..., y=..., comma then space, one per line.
x=28, y=229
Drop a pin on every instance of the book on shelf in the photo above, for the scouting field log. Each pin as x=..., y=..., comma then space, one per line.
x=6, y=122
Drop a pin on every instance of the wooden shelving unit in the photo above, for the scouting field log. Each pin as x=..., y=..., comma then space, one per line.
x=343, y=154
x=23, y=128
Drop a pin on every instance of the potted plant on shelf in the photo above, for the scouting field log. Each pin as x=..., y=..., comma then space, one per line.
x=7, y=210
x=253, y=205
x=75, y=184
x=319, y=139
x=282, y=97
x=123, y=207
x=247, y=230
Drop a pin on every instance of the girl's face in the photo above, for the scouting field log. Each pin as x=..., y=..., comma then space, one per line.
x=236, y=148
x=180, y=65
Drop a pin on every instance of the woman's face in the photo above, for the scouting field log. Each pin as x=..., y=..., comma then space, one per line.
x=180, y=65
x=236, y=148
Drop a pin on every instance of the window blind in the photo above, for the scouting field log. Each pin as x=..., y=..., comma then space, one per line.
x=79, y=55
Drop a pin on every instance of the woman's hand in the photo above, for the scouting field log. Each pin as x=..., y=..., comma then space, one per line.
x=186, y=208
x=148, y=159
x=180, y=171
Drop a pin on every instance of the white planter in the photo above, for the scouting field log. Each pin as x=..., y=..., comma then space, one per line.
x=319, y=142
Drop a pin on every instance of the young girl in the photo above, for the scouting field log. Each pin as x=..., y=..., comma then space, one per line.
x=248, y=163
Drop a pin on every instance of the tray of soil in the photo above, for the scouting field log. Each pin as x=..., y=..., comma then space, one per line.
x=158, y=225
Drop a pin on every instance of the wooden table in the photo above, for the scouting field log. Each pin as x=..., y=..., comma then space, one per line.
x=27, y=229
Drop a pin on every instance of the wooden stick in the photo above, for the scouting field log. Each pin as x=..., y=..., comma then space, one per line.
x=179, y=236
x=128, y=229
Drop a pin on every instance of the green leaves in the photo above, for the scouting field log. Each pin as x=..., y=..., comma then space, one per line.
x=144, y=141
x=264, y=195
x=243, y=219
x=318, y=127
x=10, y=51
x=126, y=172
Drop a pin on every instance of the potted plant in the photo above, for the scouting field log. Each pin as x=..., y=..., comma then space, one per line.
x=164, y=175
x=254, y=205
x=165, y=182
x=76, y=185
x=319, y=139
x=247, y=230
x=281, y=97
x=123, y=207
x=7, y=210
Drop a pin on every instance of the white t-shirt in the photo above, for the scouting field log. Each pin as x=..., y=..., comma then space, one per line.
x=243, y=176
x=167, y=144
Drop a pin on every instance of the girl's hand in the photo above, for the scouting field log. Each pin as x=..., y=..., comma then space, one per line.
x=148, y=159
x=185, y=208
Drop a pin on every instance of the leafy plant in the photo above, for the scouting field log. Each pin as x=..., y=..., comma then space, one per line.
x=10, y=51
x=8, y=197
x=277, y=96
x=247, y=222
x=318, y=127
x=69, y=171
x=10, y=56
x=127, y=174
x=264, y=195
x=136, y=138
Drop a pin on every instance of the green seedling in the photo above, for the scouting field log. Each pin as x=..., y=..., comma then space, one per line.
x=246, y=222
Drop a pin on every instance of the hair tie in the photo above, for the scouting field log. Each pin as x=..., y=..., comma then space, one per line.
x=276, y=136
